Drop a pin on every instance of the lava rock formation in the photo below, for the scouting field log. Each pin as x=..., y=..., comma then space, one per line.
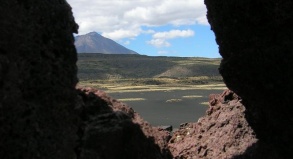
x=255, y=39
x=112, y=130
x=222, y=133
x=37, y=80
x=43, y=115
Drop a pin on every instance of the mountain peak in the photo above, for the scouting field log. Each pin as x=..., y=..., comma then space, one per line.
x=93, y=42
x=93, y=33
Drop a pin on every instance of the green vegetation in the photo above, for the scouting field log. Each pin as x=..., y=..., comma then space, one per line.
x=192, y=96
x=138, y=73
x=173, y=100
x=205, y=103
x=146, y=70
x=130, y=99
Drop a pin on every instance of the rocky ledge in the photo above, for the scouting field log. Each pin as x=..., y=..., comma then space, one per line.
x=111, y=129
x=222, y=133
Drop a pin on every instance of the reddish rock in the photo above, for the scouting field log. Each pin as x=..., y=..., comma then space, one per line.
x=43, y=116
x=113, y=130
x=222, y=133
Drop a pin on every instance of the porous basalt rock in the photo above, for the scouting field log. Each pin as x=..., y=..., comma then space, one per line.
x=41, y=113
x=223, y=133
x=43, y=116
x=255, y=39
x=37, y=80
x=113, y=130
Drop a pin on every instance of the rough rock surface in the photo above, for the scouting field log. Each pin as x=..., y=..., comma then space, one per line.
x=37, y=80
x=112, y=130
x=43, y=116
x=41, y=113
x=222, y=133
x=255, y=40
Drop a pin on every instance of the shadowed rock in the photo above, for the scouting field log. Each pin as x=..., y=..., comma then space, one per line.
x=41, y=113
x=43, y=116
x=112, y=130
x=255, y=39
x=37, y=80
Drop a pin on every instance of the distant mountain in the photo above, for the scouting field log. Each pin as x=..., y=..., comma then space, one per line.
x=96, y=43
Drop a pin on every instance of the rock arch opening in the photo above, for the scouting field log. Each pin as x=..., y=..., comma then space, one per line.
x=42, y=115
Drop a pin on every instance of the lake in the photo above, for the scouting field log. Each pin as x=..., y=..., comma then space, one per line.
x=168, y=107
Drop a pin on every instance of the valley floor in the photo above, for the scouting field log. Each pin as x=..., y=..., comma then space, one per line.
x=162, y=104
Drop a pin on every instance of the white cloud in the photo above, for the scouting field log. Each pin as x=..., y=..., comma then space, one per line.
x=121, y=34
x=160, y=38
x=173, y=34
x=148, y=32
x=122, y=17
x=159, y=43
x=176, y=12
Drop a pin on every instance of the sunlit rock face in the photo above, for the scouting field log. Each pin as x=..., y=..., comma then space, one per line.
x=37, y=80
x=223, y=133
x=255, y=39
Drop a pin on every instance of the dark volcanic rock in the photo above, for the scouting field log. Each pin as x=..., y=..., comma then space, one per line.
x=43, y=116
x=37, y=80
x=222, y=133
x=255, y=40
x=41, y=113
x=112, y=130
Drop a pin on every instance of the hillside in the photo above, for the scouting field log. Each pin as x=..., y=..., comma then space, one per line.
x=96, y=43
x=103, y=66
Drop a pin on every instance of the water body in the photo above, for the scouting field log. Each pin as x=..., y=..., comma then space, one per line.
x=159, y=109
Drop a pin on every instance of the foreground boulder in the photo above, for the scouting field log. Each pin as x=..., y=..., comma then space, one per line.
x=255, y=39
x=37, y=80
x=112, y=130
x=223, y=133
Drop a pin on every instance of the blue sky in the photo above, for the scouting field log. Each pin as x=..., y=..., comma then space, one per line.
x=150, y=27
